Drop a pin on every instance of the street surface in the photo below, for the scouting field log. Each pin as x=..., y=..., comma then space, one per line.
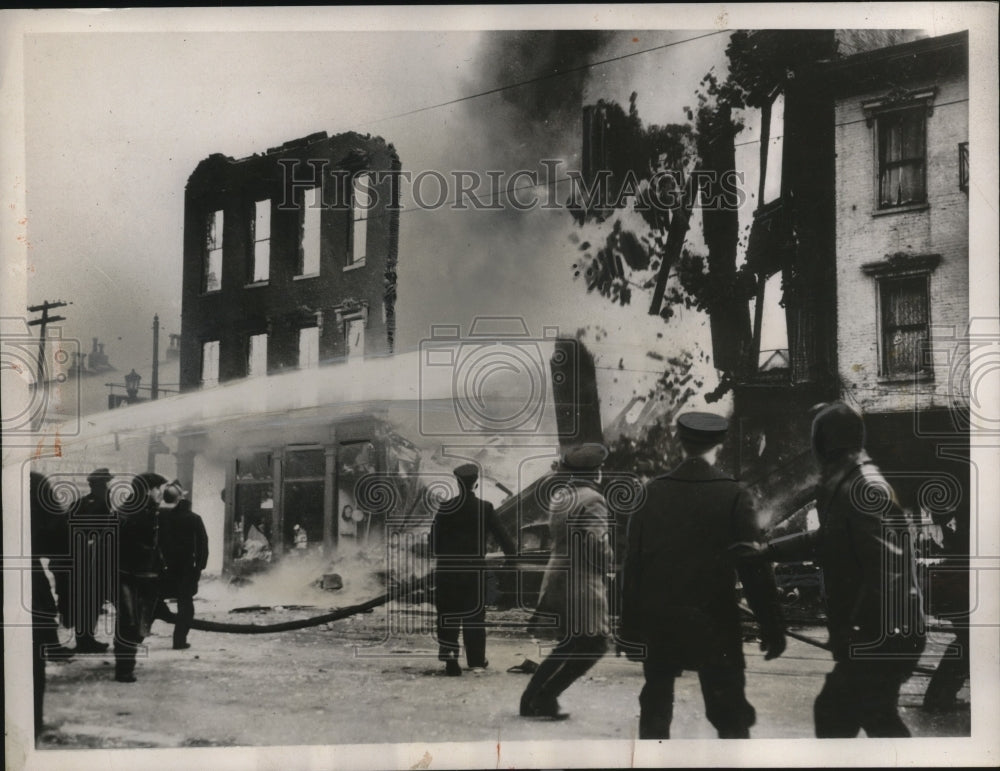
x=336, y=686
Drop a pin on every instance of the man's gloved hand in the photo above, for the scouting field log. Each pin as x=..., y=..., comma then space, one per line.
x=772, y=642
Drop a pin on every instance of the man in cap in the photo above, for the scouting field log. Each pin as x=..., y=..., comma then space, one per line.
x=873, y=603
x=458, y=542
x=680, y=599
x=573, y=596
x=140, y=562
x=82, y=591
x=185, y=552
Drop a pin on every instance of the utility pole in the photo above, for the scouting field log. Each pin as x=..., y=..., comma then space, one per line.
x=155, y=384
x=41, y=378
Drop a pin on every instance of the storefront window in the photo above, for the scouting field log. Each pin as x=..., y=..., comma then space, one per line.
x=356, y=460
x=304, y=484
x=253, y=511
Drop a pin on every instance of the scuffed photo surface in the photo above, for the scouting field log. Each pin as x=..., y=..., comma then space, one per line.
x=368, y=386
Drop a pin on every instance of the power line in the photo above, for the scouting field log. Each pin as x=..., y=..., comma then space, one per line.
x=547, y=76
x=487, y=199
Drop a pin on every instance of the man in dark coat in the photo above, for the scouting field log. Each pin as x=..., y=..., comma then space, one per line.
x=679, y=596
x=458, y=542
x=82, y=591
x=48, y=539
x=185, y=551
x=574, y=589
x=873, y=605
x=140, y=562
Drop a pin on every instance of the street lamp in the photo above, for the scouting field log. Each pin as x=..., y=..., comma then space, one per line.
x=132, y=384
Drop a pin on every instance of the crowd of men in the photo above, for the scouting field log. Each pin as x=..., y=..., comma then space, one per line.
x=693, y=540
x=133, y=555
x=694, y=536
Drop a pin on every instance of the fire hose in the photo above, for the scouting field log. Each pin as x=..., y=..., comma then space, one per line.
x=403, y=590
x=822, y=645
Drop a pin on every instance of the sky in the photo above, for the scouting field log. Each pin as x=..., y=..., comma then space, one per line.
x=115, y=122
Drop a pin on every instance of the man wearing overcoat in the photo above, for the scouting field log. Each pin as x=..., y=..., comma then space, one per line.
x=680, y=597
x=140, y=563
x=185, y=552
x=82, y=592
x=458, y=544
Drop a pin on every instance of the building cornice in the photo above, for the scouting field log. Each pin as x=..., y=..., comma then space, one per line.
x=902, y=264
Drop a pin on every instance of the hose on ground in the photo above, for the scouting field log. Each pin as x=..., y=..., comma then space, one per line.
x=403, y=590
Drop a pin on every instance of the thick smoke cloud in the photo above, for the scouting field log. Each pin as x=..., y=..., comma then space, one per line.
x=544, y=114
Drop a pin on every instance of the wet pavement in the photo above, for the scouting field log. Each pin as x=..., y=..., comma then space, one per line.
x=366, y=680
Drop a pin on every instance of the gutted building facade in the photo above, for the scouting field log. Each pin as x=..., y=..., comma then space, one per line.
x=786, y=360
x=289, y=258
x=289, y=266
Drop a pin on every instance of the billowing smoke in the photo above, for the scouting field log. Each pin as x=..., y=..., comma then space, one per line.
x=298, y=581
x=552, y=66
x=509, y=260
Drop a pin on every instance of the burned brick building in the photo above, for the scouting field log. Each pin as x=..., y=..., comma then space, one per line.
x=791, y=257
x=289, y=266
x=289, y=258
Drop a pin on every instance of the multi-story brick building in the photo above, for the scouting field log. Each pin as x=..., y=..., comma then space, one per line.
x=901, y=122
x=902, y=129
x=867, y=231
x=289, y=258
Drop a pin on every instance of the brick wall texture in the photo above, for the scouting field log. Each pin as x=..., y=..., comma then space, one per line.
x=942, y=227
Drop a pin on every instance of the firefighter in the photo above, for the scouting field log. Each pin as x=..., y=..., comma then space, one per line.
x=873, y=604
x=574, y=592
x=680, y=599
x=185, y=552
x=140, y=563
x=458, y=542
x=83, y=591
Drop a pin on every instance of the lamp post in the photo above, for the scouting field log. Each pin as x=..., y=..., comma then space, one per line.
x=132, y=385
x=155, y=385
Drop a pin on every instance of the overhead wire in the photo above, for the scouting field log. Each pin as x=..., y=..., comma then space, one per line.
x=546, y=76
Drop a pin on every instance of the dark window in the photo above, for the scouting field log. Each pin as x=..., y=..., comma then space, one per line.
x=305, y=483
x=904, y=303
x=901, y=158
x=255, y=467
x=253, y=510
x=305, y=464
